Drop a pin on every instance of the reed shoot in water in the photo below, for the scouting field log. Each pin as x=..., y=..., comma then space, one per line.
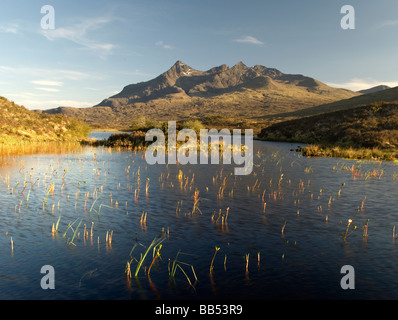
x=212, y=261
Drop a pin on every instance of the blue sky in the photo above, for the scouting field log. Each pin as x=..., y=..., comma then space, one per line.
x=98, y=47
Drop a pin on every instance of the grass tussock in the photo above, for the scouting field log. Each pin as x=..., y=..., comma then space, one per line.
x=349, y=153
x=134, y=140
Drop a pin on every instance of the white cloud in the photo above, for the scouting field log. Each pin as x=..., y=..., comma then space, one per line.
x=38, y=101
x=387, y=23
x=361, y=84
x=13, y=28
x=67, y=103
x=48, y=89
x=48, y=83
x=48, y=73
x=163, y=45
x=24, y=95
x=249, y=39
x=78, y=34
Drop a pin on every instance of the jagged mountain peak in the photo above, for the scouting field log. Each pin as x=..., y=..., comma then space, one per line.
x=218, y=69
x=240, y=65
x=180, y=69
x=179, y=66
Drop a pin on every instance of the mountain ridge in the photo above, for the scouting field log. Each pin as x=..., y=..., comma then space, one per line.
x=375, y=89
x=386, y=95
x=182, y=92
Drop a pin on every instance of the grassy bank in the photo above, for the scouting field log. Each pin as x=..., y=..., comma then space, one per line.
x=349, y=153
x=28, y=147
x=19, y=126
x=362, y=133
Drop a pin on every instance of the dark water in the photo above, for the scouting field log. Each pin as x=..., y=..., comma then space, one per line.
x=303, y=262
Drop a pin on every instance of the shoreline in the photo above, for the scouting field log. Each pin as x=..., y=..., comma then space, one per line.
x=137, y=142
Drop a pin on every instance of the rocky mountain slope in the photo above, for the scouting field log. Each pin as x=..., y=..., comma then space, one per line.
x=229, y=94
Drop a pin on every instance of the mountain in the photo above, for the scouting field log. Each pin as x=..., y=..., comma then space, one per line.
x=20, y=124
x=238, y=95
x=375, y=89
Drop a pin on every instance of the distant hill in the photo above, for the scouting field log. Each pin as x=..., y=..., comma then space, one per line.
x=20, y=124
x=370, y=126
x=387, y=95
x=224, y=94
x=375, y=89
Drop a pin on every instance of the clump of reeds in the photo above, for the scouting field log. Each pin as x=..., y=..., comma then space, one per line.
x=356, y=172
x=339, y=192
x=99, y=208
x=212, y=260
x=247, y=262
x=347, y=234
x=196, y=202
x=91, y=231
x=330, y=201
x=143, y=220
x=221, y=218
x=363, y=203
x=178, y=209
x=75, y=231
x=280, y=180
x=156, y=242
x=375, y=173
x=54, y=228
x=128, y=270
x=51, y=190
x=24, y=187
x=283, y=227
x=365, y=229
x=258, y=260
x=147, y=187
x=156, y=256
x=108, y=238
x=177, y=264
x=136, y=194
x=222, y=188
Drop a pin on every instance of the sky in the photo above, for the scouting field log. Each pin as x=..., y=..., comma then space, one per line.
x=95, y=48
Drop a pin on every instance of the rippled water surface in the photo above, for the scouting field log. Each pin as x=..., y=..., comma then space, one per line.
x=104, y=190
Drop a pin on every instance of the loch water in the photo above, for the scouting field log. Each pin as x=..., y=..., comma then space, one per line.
x=106, y=191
